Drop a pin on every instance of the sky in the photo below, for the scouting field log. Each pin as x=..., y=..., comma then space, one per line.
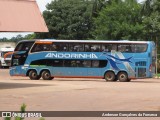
x=41, y=4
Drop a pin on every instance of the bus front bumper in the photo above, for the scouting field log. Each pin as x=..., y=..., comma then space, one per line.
x=17, y=71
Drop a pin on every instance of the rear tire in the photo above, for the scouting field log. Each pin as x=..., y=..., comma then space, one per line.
x=46, y=75
x=110, y=76
x=123, y=77
x=33, y=75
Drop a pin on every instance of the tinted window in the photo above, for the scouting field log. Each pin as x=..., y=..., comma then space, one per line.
x=109, y=47
x=139, y=48
x=92, y=47
x=76, y=47
x=61, y=46
x=57, y=63
x=124, y=48
x=71, y=63
x=38, y=62
x=24, y=46
x=41, y=47
x=131, y=48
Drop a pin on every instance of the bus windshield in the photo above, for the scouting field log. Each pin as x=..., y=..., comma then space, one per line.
x=24, y=46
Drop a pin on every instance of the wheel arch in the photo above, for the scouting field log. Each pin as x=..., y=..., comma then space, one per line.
x=122, y=71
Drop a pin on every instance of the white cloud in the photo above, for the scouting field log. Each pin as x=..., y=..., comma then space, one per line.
x=42, y=4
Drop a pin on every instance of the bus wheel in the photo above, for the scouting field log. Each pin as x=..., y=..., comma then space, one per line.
x=33, y=75
x=46, y=75
x=123, y=77
x=110, y=76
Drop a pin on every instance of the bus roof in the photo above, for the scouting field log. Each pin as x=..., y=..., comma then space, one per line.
x=6, y=49
x=87, y=41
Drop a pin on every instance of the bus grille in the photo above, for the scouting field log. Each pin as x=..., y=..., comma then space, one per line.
x=141, y=72
x=141, y=63
x=141, y=69
x=8, y=62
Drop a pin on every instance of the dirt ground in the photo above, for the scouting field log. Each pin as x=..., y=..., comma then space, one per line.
x=79, y=95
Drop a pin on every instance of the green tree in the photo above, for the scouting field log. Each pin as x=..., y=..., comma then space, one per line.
x=151, y=17
x=98, y=5
x=68, y=19
x=119, y=20
x=3, y=39
x=147, y=7
x=30, y=36
x=152, y=26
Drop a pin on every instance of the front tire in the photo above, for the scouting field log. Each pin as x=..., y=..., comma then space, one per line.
x=46, y=75
x=33, y=75
x=110, y=76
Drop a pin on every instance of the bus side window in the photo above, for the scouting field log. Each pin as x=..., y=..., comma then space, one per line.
x=103, y=63
x=49, y=62
x=87, y=63
x=71, y=47
x=54, y=47
x=67, y=63
x=128, y=48
x=58, y=63
x=106, y=48
x=114, y=47
x=35, y=48
x=95, y=48
x=78, y=48
x=95, y=63
x=59, y=47
x=39, y=62
x=87, y=48
x=121, y=48
x=141, y=48
x=133, y=48
x=45, y=48
x=63, y=47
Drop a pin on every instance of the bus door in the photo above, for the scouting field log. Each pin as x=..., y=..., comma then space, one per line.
x=141, y=68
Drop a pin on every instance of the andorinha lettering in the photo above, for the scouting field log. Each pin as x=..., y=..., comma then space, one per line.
x=70, y=55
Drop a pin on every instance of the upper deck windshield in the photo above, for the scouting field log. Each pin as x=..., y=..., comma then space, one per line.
x=24, y=46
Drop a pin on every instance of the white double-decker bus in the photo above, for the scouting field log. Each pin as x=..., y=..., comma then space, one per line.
x=5, y=62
